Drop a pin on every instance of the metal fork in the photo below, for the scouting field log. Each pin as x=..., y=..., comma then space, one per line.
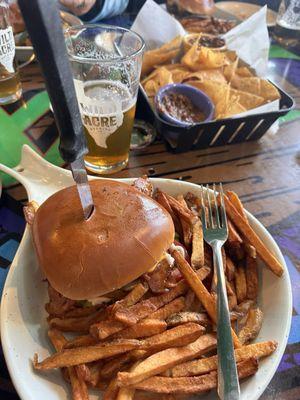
x=215, y=233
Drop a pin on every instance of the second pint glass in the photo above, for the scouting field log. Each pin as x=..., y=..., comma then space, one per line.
x=106, y=64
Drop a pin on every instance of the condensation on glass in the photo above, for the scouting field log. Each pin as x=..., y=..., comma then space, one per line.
x=106, y=64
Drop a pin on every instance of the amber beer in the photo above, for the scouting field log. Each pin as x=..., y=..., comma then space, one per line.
x=106, y=64
x=107, y=111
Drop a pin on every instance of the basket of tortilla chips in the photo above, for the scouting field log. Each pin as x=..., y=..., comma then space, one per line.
x=241, y=99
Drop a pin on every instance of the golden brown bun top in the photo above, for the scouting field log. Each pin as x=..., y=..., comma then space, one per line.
x=126, y=235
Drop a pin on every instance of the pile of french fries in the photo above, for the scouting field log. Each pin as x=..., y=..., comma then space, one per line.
x=156, y=338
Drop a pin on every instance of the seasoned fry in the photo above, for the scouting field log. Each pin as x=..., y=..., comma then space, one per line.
x=195, y=384
x=142, y=329
x=197, y=257
x=80, y=324
x=240, y=284
x=81, y=312
x=126, y=394
x=175, y=337
x=79, y=388
x=200, y=290
x=171, y=308
x=132, y=297
x=251, y=278
x=111, y=367
x=80, y=355
x=161, y=198
x=230, y=269
x=80, y=341
x=181, y=211
x=147, y=307
x=252, y=327
x=111, y=391
x=251, y=237
x=235, y=200
x=205, y=365
x=186, y=226
x=166, y=359
x=106, y=328
x=232, y=300
x=188, y=316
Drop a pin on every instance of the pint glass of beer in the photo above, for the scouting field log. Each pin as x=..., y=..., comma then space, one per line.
x=106, y=64
x=10, y=86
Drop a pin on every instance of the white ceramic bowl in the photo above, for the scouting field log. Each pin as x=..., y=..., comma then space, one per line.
x=23, y=318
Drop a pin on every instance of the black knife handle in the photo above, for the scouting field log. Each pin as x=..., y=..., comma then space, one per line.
x=43, y=23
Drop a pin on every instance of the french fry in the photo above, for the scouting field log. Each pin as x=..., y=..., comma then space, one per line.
x=200, y=290
x=94, y=374
x=252, y=327
x=166, y=359
x=104, y=329
x=186, y=317
x=194, y=384
x=251, y=237
x=132, y=297
x=111, y=391
x=126, y=394
x=186, y=226
x=81, y=355
x=175, y=337
x=250, y=250
x=197, y=257
x=79, y=324
x=111, y=367
x=142, y=329
x=235, y=200
x=181, y=211
x=230, y=269
x=232, y=300
x=161, y=198
x=251, y=278
x=173, y=307
x=79, y=312
x=240, y=284
x=234, y=242
x=79, y=388
x=81, y=341
x=205, y=365
x=147, y=307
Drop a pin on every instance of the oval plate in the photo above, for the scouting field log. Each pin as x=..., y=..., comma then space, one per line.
x=23, y=318
x=243, y=11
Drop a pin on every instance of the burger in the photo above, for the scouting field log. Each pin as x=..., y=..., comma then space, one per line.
x=126, y=237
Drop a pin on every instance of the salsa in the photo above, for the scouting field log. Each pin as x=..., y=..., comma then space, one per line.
x=181, y=107
x=208, y=41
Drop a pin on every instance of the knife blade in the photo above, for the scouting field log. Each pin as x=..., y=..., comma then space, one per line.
x=43, y=24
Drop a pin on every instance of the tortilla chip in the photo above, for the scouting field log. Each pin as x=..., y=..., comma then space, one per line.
x=203, y=58
x=206, y=74
x=160, y=78
x=233, y=108
x=250, y=85
x=248, y=100
x=161, y=55
x=244, y=72
x=268, y=91
x=230, y=70
x=178, y=75
x=215, y=90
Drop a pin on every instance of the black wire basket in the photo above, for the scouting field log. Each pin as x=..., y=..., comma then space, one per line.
x=213, y=133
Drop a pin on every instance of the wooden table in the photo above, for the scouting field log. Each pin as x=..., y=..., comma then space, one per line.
x=265, y=174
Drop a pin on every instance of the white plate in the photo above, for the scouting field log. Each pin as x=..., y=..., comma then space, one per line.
x=245, y=10
x=23, y=319
x=23, y=53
